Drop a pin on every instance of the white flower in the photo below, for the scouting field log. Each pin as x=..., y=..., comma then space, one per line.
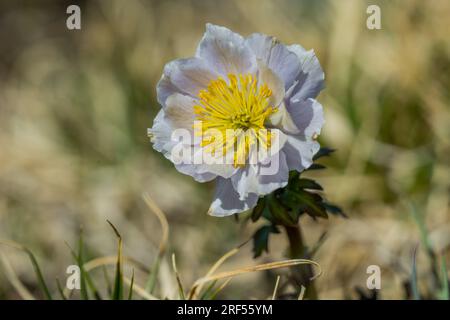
x=252, y=85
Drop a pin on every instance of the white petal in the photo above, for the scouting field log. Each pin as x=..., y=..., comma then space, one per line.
x=276, y=56
x=299, y=152
x=262, y=179
x=193, y=171
x=179, y=111
x=310, y=81
x=268, y=77
x=226, y=200
x=186, y=76
x=160, y=134
x=226, y=51
x=307, y=116
x=283, y=120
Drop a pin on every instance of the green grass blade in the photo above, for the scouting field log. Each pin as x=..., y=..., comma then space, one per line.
x=41, y=280
x=130, y=293
x=207, y=293
x=60, y=289
x=445, y=294
x=414, y=285
x=38, y=272
x=118, y=281
x=79, y=258
x=107, y=281
x=220, y=288
x=151, y=283
x=85, y=277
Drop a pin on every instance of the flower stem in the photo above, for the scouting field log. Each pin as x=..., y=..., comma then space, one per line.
x=297, y=250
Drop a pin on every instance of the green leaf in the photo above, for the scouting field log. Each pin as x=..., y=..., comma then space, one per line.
x=323, y=152
x=316, y=166
x=333, y=209
x=258, y=210
x=279, y=212
x=308, y=184
x=118, y=280
x=293, y=175
x=308, y=202
x=261, y=239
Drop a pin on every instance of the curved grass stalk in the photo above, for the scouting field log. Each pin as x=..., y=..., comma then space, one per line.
x=14, y=279
x=259, y=267
x=36, y=267
x=226, y=256
x=151, y=282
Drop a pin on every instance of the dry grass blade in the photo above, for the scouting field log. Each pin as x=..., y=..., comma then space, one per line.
x=259, y=267
x=302, y=293
x=177, y=275
x=162, y=220
x=111, y=260
x=274, y=295
x=14, y=279
x=226, y=256
x=139, y=290
x=151, y=282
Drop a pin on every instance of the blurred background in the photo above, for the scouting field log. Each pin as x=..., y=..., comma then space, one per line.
x=75, y=106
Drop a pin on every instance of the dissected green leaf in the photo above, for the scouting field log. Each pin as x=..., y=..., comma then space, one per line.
x=308, y=184
x=261, y=239
x=293, y=175
x=333, y=209
x=316, y=166
x=258, y=210
x=279, y=212
x=304, y=201
x=323, y=152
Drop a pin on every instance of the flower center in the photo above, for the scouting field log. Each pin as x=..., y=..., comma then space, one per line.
x=232, y=115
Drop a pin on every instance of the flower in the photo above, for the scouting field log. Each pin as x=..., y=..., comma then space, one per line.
x=256, y=88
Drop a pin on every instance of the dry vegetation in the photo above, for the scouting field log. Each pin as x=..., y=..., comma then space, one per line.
x=75, y=106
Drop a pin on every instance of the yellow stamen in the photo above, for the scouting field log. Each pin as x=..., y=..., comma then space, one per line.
x=239, y=104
